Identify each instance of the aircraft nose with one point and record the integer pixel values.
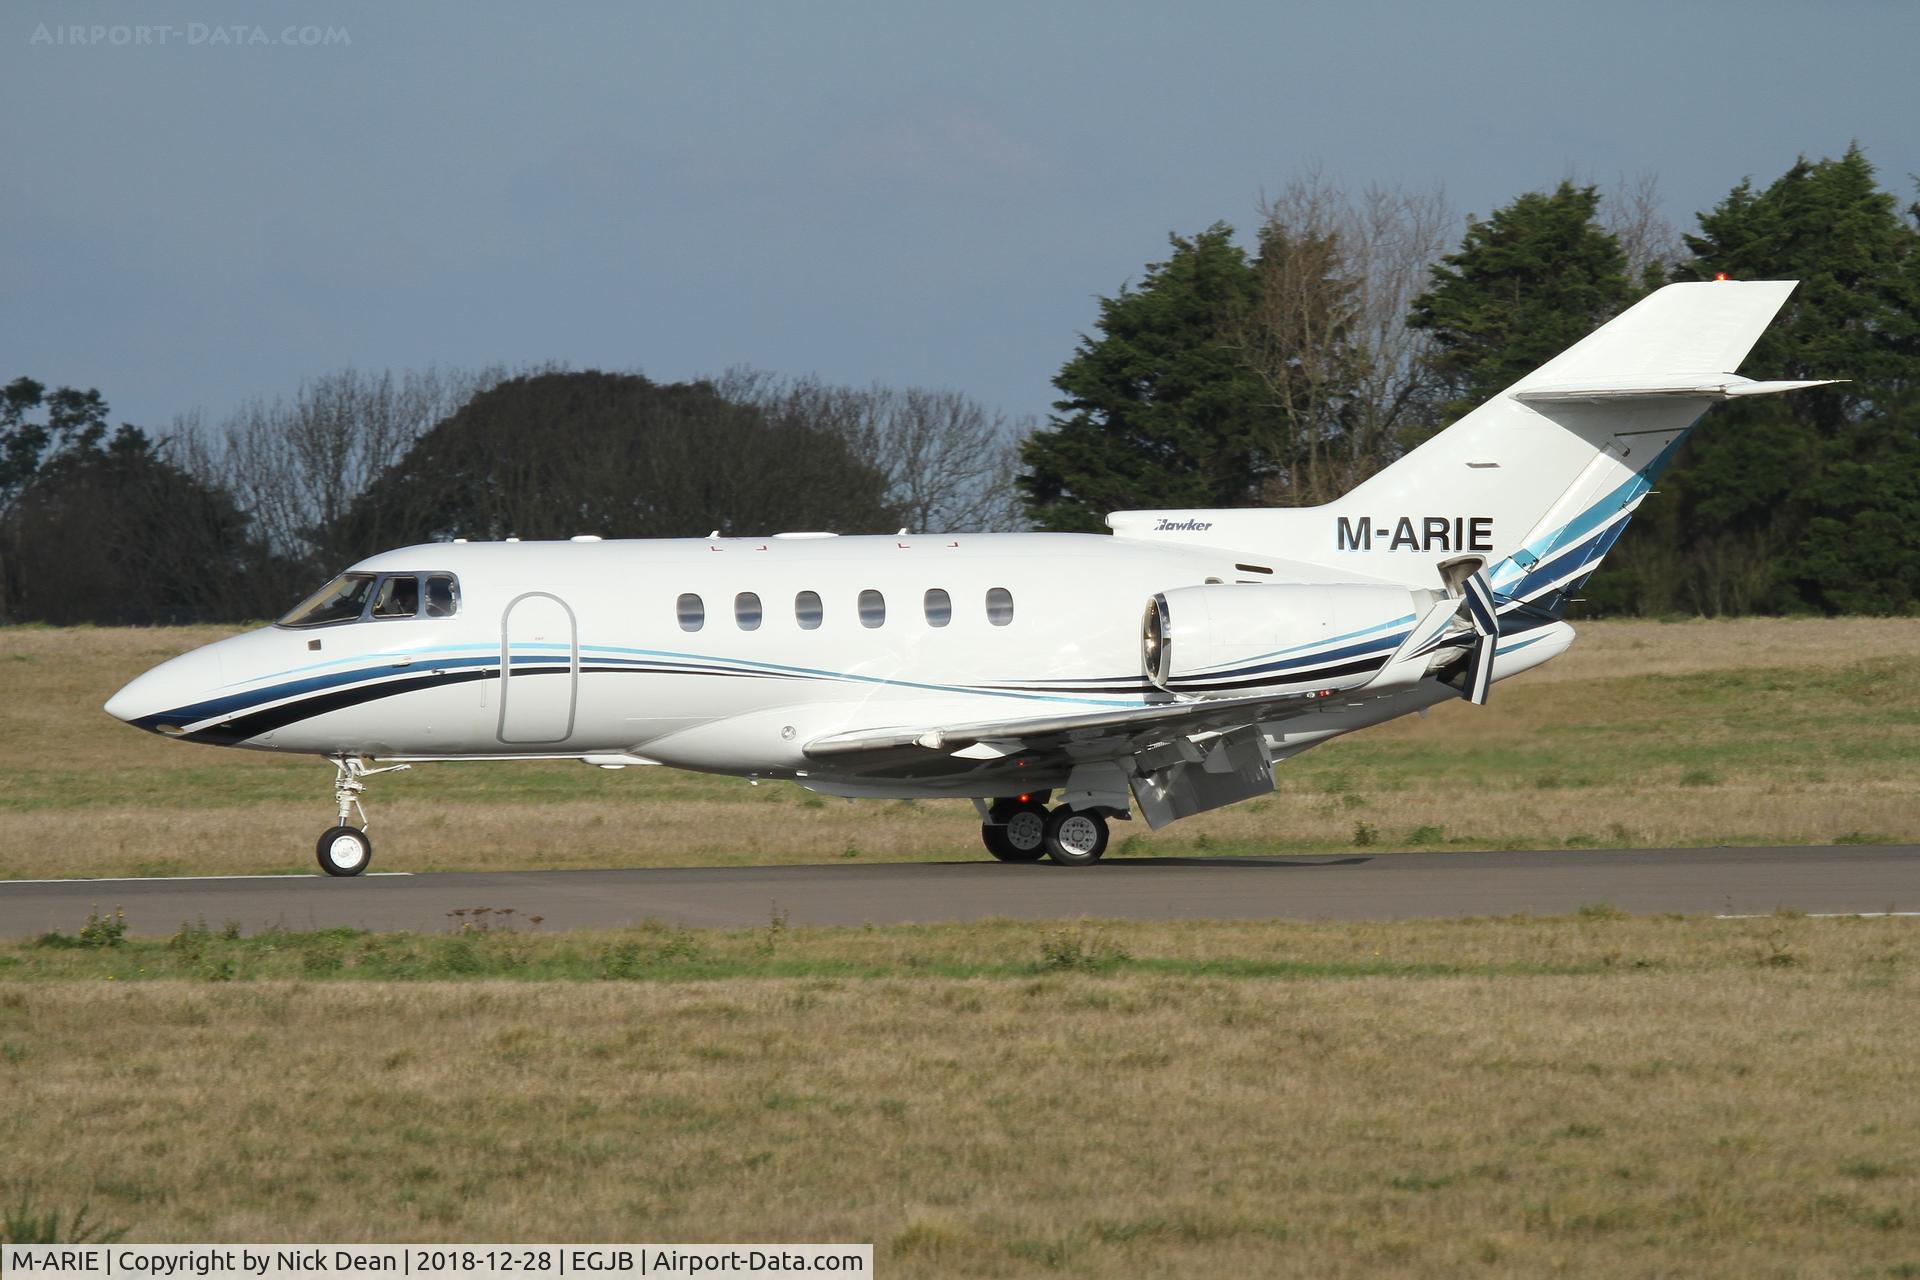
(176, 683)
(123, 705)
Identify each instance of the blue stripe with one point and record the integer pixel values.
(390, 655)
(231, 705)
(1515, 648)
(1563, 565)
(1351, 635)
(878, 681)
(218, 708)
(1508, 576)
(1385, 645)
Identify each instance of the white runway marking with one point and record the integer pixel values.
(301, 875)
(1828, 915)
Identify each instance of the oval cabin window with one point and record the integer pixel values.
(939, 608)
(873, 608)
(746, 611)
(999, 606)
(693, 613)
(807, 611)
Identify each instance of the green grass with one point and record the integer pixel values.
(651, 954)
(499, 945)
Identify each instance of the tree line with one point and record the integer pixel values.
(1282, 373)
(239, 519)
(1285, 374)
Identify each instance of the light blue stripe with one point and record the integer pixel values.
(238, 703)
(1351, 635)
(1540, 548)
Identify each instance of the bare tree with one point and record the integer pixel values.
(949, 461)
(1327, 335)
(296, 465)
(1632, 212)
(1397, 237)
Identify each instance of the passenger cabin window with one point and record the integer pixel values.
(398, 597)
(999, 606)
(939, 607)
(746, 611)
(342, 600)
(873, 608)
(693, 613)
(807, 611)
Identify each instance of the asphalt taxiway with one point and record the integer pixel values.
(1717, 881)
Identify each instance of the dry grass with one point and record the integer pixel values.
(1600, 1096)
(1757, 731)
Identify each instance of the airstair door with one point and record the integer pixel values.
(539, 670)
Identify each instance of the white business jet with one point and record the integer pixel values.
(1164, 668)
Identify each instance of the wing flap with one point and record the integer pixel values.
(1085, 734)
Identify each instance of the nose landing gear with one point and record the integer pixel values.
(346, 850)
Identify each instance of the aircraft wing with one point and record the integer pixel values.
(1093, 735)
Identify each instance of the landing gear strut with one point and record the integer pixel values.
(346, 850)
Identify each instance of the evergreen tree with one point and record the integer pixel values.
(619, 455)
(1527, 283)
(98, 525)
(1809, 501)
(1160, 410)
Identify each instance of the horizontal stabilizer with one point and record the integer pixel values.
(1706, 325)
(1679, 386)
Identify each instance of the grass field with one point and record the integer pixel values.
(1596, 1096)
(1760, 731)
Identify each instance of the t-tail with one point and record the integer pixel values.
(1529, 491)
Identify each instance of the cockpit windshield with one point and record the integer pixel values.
(353, 596)
(342, 600)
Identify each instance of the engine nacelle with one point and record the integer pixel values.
(1231, 640)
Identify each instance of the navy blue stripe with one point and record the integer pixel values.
(1292, 677)
(241, 728)
(213, 708)
(1366, 647)
(1567, 562)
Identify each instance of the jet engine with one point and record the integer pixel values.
(1229, 640)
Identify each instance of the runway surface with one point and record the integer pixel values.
(1386, 886)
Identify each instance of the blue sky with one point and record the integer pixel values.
(903, 193)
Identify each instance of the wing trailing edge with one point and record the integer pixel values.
(1667, 386)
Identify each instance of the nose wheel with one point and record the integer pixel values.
(345, 850)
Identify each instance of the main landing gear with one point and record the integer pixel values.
(346, 850)
(1021, 829)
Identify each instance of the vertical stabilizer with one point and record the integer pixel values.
(1537, 482)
